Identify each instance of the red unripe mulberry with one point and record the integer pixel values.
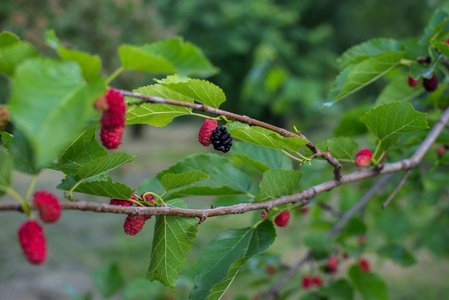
(134, 224)
(206, 132)
(332, 264)
(282, 219)
(113, 120)
(306, 282)
(363, 158)
(412, 82)
(32, 241)
(431, 84)
(364, 265)
(48, 206)
(317, 281)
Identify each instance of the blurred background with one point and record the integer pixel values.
(277, 60)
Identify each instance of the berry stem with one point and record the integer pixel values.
(71, 198)
(302, 160)
(25, 206)
(30, 189)
(406, 62)
(204, 116)
(114, 75)
(159, 198)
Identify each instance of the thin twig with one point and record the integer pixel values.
(329, 208)
(396, 190)
(243, 119)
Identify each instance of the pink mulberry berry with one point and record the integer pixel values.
(317, 281)
(364, 265)
(306, 282)
(412, 82)
(134, 224)
(206, 132)
(363, 158)
(111, 139)
(32, 241)
(282, 219)
(48, 205)
(113, 120)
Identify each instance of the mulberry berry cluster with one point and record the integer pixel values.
(134, 224)
(221, 139)
(113, 120)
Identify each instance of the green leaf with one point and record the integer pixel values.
(425, 70)
(101, 186)
(398, 254)
(104, 164)
(399, 90)
(174, 181)
(370, 285)
(264, 137)
(51, 104)
(157, 114)
(442, 47)
(6, 167)
(388, 121)
(108, 279)
(167, 57)
(14, 54)
(339, 290)
(220, 261)
(6, 139)
(8, 39)
(90, 64)
(368, 71)
(82, 150)
(437, 26)
(259, 157)
(337, 85)
(201, 91)
(173, 237)
(368, 49)
(23, 153)
(318, 242)
(224, 178)
(342, 148)
(277, 182)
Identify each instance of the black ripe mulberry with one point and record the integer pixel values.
(221, 139)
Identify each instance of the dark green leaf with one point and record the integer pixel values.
(368, 71)
(108, 279)
(278, 182)
(6, 166)
(224, 178)
(167, 57)
(259, 157)
(423, 70)
(51, 104)
(438, 25)
(442, 47)
(339, 290)
(82, 150)
(399, 90)
(101, 186)
(90, 64)
(104, 164)
(6, 139)
(220, 261)
(173, 237)
(174, 181)
(388, 121)
(157, 114)
(368, 49)
(23, 154)
(337, 85)
(370, 285)
(398, 254)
